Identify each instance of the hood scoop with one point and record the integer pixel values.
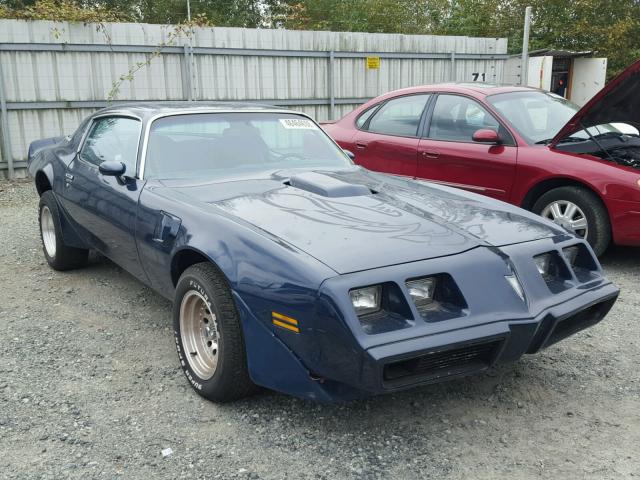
(327, 186)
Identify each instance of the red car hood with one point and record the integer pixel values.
(618, 101)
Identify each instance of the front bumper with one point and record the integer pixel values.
(497, 326)
(462, 352)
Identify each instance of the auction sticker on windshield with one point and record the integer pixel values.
(298, 123)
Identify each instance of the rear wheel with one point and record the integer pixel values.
(208, 335)
(59, 256)
(579, 211)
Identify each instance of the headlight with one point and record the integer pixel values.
(543, 262)
(366, 300)
(421, 291)
(553, 270)
(571, 253)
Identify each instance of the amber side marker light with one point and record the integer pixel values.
(285, 322)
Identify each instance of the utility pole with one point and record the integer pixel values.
(524, 68)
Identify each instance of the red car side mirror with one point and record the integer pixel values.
(486, 135)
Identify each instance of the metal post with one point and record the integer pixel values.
(453, 66)
(524, 71)
(332, 98)
(7, 153)
(186, 74)
(192, 67)
(188, 10)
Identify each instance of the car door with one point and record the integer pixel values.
(387, 140)
(104, 206)
(448, 154)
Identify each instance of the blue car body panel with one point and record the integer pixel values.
(296, 242)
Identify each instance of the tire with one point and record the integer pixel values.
(208, 335)
(59, 256)
(590, 207)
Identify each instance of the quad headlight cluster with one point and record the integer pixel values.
(385, 307)
(555, 271)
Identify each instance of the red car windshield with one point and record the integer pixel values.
(538, 116)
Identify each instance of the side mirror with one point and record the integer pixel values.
(111, 168)
(350, 154)
(486, 135)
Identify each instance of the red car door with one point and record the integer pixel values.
(447, 154)
(388, 140)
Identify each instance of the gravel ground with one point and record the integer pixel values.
(90, 388)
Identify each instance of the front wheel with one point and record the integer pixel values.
(579, 211)
(209, 336)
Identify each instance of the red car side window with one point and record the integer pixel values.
(399, 116)
(456, 118)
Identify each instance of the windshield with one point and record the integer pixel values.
(538, 116)
(207, 145)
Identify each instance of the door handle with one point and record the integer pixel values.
(361, 146)
(430, 154)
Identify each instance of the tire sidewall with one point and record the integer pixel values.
(48, 200)
(188, 282)
(598, 234)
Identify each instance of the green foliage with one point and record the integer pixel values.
(63, 10)
(611, 28)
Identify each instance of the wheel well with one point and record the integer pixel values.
(543, 187)
(42, 183)
(183, 260)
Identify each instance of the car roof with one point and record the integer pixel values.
(477, 88)
(147, 110)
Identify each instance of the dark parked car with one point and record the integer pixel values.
(292, 268)
(577, 167)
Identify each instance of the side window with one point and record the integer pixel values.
(362, 119)
(113, 138)
(456, 118)
(400, 116)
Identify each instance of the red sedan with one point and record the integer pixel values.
(577, 167)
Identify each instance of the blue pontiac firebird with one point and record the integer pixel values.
(291, 268)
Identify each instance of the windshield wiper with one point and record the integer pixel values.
(602, 149)
(619, 135)
(564, 140)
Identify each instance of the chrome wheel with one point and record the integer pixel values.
(200, 336)
(48, 230)
(568, 215)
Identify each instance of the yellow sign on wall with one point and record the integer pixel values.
(373, 63)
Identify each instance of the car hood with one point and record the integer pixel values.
(618, 101)
(358, 220)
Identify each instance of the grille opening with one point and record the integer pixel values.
(434, 365)
(581, 320)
